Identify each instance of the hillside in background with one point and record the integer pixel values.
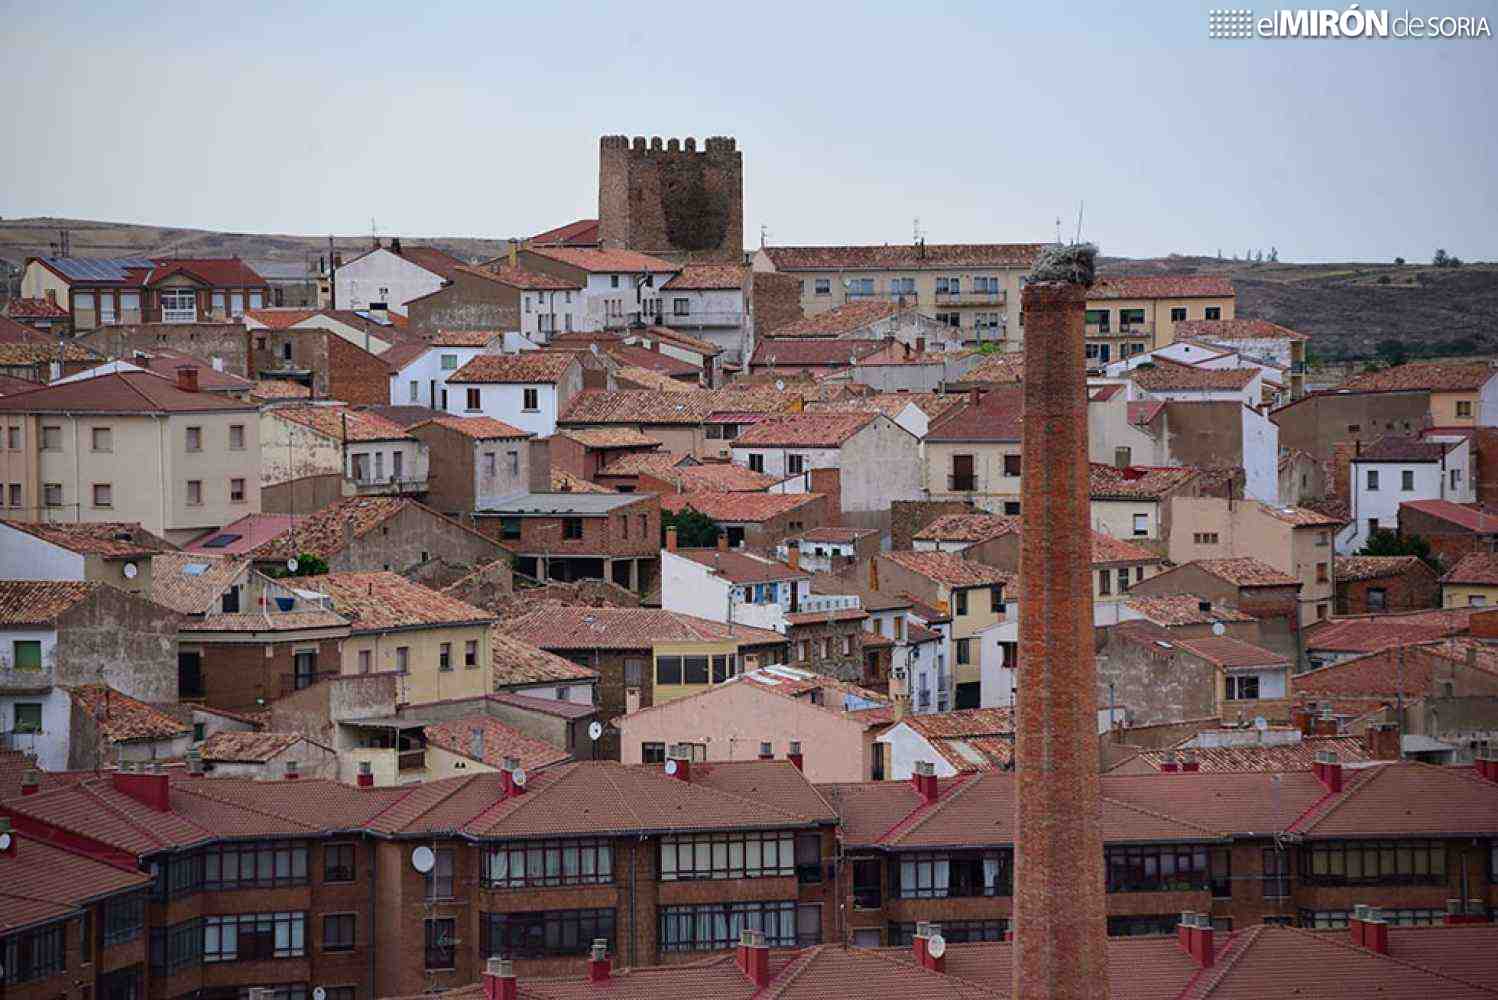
(1347, 309)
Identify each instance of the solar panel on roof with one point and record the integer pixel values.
(97, 268)
(220, 541)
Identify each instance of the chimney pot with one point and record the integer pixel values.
(671, 538)
(149, 788)
(681, 755)
(793, 555)
(187, 378)
(722, 541)
(366, 774)
(1329, 770)
(598, 961)
(1169, 762)
(31, 782)
(754, 957)
(499, 980)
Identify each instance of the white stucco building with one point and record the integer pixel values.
(525, 390)
(1395, 469)
(389, 277)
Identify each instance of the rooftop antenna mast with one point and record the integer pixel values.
(764, 235)
(1080, 205)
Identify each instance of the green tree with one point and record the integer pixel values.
(1384, 542)
(694, 530)
(1392, 351)
(1399, 261)
(307, 564)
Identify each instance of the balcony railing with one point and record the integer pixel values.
(1122, 330)
(411, 760)
(856, 295)
(179, 315)
(970, 298)
(703, 318)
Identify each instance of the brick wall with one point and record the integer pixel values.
(909, 516)
(775, 301)
(244, 677)
(1409, 591)
(603, 536)
(1448, 542)
(450, 461)
(415, 535)
(354, 375)
(228, 341)
(766, 535)
(672, 197)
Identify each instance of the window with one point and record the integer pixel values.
(1178, 314)
(1130, 317)
(471, 654)
(257, 864)
(944, 874)
(1242, 687)
(960, 599)
(177, 876)
(445, 657)
(194, 492)
(52, 494)
(1377, 599)
(1141, 525)
(51, 439)
(1372, 480)
(338, 862)
(1156, 868)
(253, 937)
(652, 753)
(101, 439)
(364, 661)
(439, 881)
(532, 399)
(1104, 582)
(1123, 579)
(1456, 478)
(195, 439)
(1276, 877)
(415, 391)
(13, 438)
(949, 318)
(34, 954)
(402, 659)
(236, 491)
(539, 934)
(756, 462)
(27, 654)
(795, 465)
(473, 400)
(1464, 408)
(572, 527)
(726, 856)
(1098, 318)
(236, 437)
(1212, 312)
(286, 351)
(1477, 601)
(1011, 465)
(544, 863)
(441, 943)
(964, 651)
(338, 932)
(509, 527)
(177, 947)
(229, 601)
(449, 362)
(124, 919)
(953, 931)
(822, 286)
(716, 926)
(1387, 862)
(1407, 480)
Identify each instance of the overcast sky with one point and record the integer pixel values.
(985, 120)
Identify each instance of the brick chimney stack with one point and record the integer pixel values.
(187, 378)
(499, 980)
(1060, 923)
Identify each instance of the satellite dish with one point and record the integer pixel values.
(423, 860)
(595, 729)
(518, 777)
(671, 766)
(1218, 628)
(936, 946)
(1261, 723)
(5, 840)
(292, 564)
(593, 347)
(131, 571)
(319, 994)
(780, 385)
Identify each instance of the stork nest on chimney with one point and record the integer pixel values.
(1074, 263)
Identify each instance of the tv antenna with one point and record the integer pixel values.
(764, 235)
(915, 230)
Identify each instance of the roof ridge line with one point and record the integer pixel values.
(249, 809)
(1161, 815)
(1239, 944)
(741, 799)
(1344, 942)
(120, 813)
(926, 809)
(1314, 809)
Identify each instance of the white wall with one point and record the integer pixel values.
(576, 694)
(51, 744)
(775, 458)
(1383, 503)
(562, 308)
(1261, 456)
(430, 377)
(906, 746)
(507, 402)
(26, 557)
(360, 282)
(691, 588)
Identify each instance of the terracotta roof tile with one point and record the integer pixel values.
(740, 566)
(738, 507)
(657, 463)
(716, 477)
(227, 272)
(109, 539)
(266, 621)
(838, 321)
(583, 232)
(121, 718)
(1136, 482)
(833, 533)
(1402, 448)
(1107, 549)
(439, 262)
(1392, 672)
(516, 662)
(1245, 571)
(891, 404)
(1164, 286)
(680, 337)
(950, 568)
(1234, 329)
(1433, 376)
(639, 406)
(1184, 609)
(635, 356)
(43, 883)
(1301, 517)
(1142, 412)
(122, 392)
(380, 600)
(519, 277)
(563, 481)
(323, 533)
(191, 582)
(635, 377)
(19, 308)
(839, 615)
(1229, 653)
(242, 536)
(494, 742)
(269, 390)
(41, 602)
(977, 527)
(342, 423)
(1002, 369)
(598, 261)
(1349, 568)
(929, 256)
(528, 366)
(804, 430)
(1469, 516)
(1163, 376)
(246, 748)
(478, 428)
(1298, 756)
(463, 338)
(707, 277)
(996, 417)
(610, 437)
(1368, 633)
(559, 626)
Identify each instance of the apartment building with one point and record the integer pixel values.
(480, 461)
(527, 390)
(711, 302)
(620, 288)
(973, 452)
(125, 291)
(378, 457)
(579, 536)
(1130, 315)
(973, 287)
(1395, 470)
(131, 446)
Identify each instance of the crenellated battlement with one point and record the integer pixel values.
(717, 144)
(679, 195)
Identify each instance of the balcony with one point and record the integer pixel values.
(179, 315)
(702, 319)
(971, 298)
(411, 760)
(388, 486)
(903, 298)
(1124, 330)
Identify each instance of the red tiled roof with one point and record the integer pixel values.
(528, 366)
(997, 416)
(830, 352)
(1245, 571)
(949, 568)
(44, 883)
(249, 532)
(739, 566)
(634, 356)
(804, 430)
(1301, 517)
(518, 662)
(120, 718)
(634, 377)
(1108, 482)
(21, 345)
(927, 256)
(478, 428)
(1000, 368)
(1349, 568)
(563, 481)
(632, 463)
(1164, 286)
(716, 477)
(463, 338)
(165, 363)
(273, 389)
(381, 600)
(1234, 329)
(19, 308)
(1298, 756)
(1142, 412)
(560, 626)
(1469, 516)
(495, 742)
(976, 527)
(836, 322)
(343, 423)
(1107, 549)
(109, 539)
(267, 622)
(220, 272)
(1433, 376)
(610, 437)
(439, 262)
(1183, 609)
(191, 582)
(600, 261)
(121, 392)
(1402, 448)
(891, 404)
(707, 277)
(1229, 653)
(40, 602)
(1479, 568)
(519, 277)
(583, 232)
(832, 533)
(1368, 633)
(323, 533)
(970, 739)
(704, 347)
(246, 748)
(1165, 376)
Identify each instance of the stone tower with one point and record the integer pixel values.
(671, 198)
(1060, 926)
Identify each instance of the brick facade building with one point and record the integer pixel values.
(1372, 584)
(580, 536)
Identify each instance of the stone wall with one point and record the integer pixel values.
(226, 341)
(672, 198)
(909, 516)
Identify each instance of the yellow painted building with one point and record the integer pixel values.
(1133, 314)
